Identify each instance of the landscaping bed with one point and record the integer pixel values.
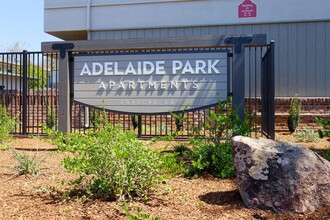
(42, 196)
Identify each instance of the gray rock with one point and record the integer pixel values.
(279, 176)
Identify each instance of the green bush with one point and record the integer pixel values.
(212, 154)
(307, 135)
(327, 154)
(294, 114)
(113, 163)
(7, 125)
(215, 159)
(181, 149)
(95, 117)
(225, 123)
(325, 132)
(51, 118)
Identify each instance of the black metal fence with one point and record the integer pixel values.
(28, 88)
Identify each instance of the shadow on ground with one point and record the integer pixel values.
(222, 198)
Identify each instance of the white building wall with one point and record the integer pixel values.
(301, 30)
(10, 83)
(97, 15)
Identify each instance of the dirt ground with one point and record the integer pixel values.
(39, 196)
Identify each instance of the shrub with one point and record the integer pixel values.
(325, 125)
(225, 122)
(113, 163)
(7, 125)
(307, 135)
(327, 154)
(181, 149)
(215, 159)
(180, 119)
(51, 118)
(294, 114)
(95, 117)
(212, 154)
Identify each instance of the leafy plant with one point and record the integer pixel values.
(325, 125)
(139, 215)
(180, 119)
(95, 117)
(7, 125)
(224, 122)
(51, 118)
(307, 135)
(327, 154)
(113, 163)
(213, 154)
(216, 159)
(294, 114)
(181, 149)
(38, 77)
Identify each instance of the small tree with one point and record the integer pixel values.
(294, 114)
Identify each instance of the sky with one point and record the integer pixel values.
(22, 21)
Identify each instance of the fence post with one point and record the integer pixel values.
(139, 126)
(24, 92)
(238, 77)
(64, 119)
(272, 90)
(238, 80)
(64, 99)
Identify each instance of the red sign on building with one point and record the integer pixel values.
(247, 9)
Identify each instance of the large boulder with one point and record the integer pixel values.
(280, 176)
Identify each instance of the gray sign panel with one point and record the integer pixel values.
(150, 82)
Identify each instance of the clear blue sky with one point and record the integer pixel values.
(22, 21)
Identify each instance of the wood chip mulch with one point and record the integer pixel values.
(39, 196)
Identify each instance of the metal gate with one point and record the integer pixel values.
(28, 90)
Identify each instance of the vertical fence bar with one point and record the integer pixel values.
(24, 94)
(272, 91)
(139, 126)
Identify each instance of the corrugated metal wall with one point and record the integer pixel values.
(302, 53)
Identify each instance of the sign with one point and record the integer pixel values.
(247, 9)
(151, 82)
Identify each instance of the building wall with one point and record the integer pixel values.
(97, 15)
(300, 30)
(10, 83)
(301, 51)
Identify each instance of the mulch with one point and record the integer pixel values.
(41, 196)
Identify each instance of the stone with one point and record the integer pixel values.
(280, 176)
